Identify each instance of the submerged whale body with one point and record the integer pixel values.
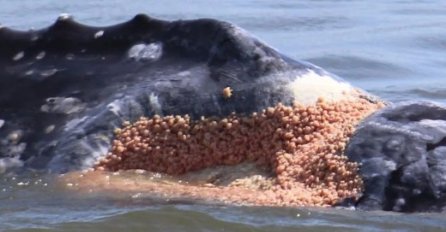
(65, 89)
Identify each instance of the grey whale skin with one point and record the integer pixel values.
(63, 90)
(85, 81)
(402, 149)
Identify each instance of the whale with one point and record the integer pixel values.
(66, 87)
(70, 93)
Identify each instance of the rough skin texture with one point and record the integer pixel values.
(299, 148)
(402, 152)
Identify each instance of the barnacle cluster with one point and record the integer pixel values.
(300, 147)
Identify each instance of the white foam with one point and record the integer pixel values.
(146, 52)
(310, 86)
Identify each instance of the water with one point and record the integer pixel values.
(394, 49)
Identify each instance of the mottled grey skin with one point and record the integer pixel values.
(402, 152)
(65, 88)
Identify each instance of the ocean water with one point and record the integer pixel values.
(395, 49)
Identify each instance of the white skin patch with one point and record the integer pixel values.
(18, 56)
(49, 72)
(310, 86)
(64, 16)
(71, 125)
(29, 72)
(155, 103)
(62, 105)
(69, 56)
(114, 107)
(98, 34)
(146, 52)
(433, 124)
(34, 37)
(184, 74)
(49, 129)
(41, 55)
(7, 163)
(96, 152)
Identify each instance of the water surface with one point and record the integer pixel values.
(394, 49)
